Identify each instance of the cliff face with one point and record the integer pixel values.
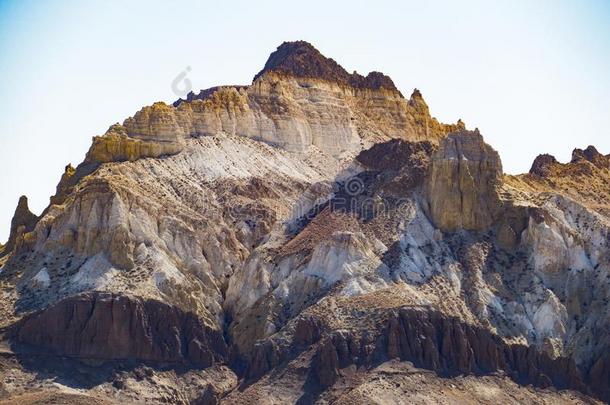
(464, 181)
(23, 221)
(300, 100)
(96, 326)
(313, 220)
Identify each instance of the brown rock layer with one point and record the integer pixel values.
(106, 326)
(394, 155)
(397, 165)
(430, 340)
(450, 346)
(445, 345)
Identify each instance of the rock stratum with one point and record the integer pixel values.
(313, 237)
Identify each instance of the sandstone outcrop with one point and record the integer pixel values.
(591, 154)
(207, 93)
(149, 135)
(462, 190)
(585, 178)
(300, 100)
(23, 222)
(547, 166)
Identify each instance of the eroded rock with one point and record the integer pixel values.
(542, 165)
(462, 189)
(23, 222)
(104, 326)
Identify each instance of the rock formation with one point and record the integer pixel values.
(23, 222)
(311, 237)
(542, 165)
(301, 59)
(462, 190)
(97, 326)
(300, 100)
(149, 136)
(591, 154)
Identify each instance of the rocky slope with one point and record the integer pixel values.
(311, 237)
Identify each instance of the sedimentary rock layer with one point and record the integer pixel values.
(462, 190)
(429, 340)
(104, 326)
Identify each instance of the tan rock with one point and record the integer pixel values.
(462, 188)
(116, 145)
(23, 222)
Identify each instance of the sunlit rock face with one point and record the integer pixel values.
(300, 100)
(23, 221)
(295, 113)
(465, 175)
(287, 238)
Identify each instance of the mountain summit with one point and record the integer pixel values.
(301, 59)
(312, 237)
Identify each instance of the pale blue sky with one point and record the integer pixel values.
(534, 76)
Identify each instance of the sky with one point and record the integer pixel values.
(533, 76)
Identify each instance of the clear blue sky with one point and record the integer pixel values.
(534, 76)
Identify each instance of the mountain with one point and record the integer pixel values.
(313, 237)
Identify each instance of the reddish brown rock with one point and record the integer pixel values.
(307, 331)
(301, 59)
(265, 355)
(327, 363)
(599, 376)
(449, 346)
(542, 165)
(106, 326)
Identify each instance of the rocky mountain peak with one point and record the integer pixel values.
(417, 102)
(302, 59)
(590, 154)
(542, 164)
